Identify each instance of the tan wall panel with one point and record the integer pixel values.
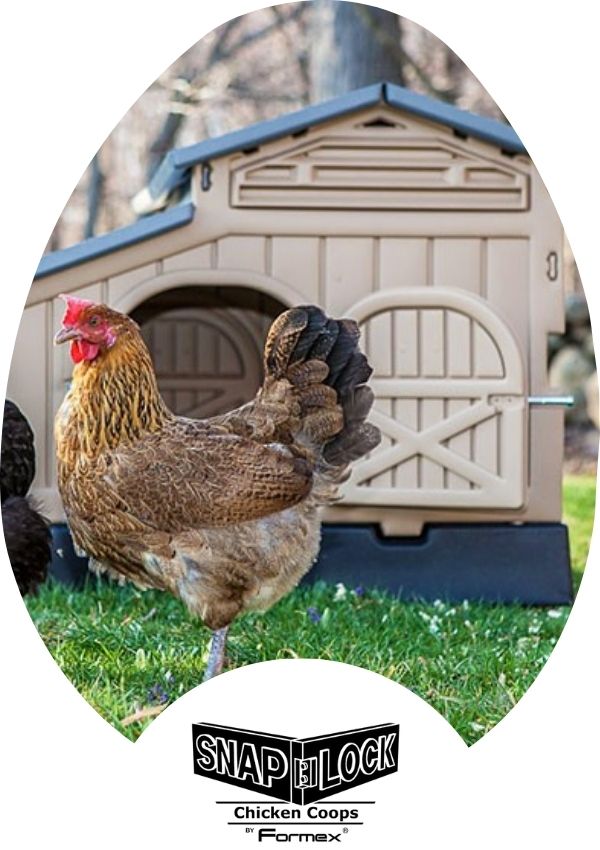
(508, 283)
(386, 478)
(485, 444)
(27, 385)
(295, 260)
(348, 272)
(487, 362)
(406, 343)
(402, 262)
(432, 343)
(406, 411)
(458, 345)
(121, 284)
(457, 263)
(546, 295)
(547, 429)
(242, 252)
(461, 444)
(432, 474)
(379, 349)
(196, 258)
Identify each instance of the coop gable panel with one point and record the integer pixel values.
(379, 163)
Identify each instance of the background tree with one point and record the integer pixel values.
(252, 68)
(352, 46)
(273, 61)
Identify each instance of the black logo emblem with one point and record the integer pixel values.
(291, 769)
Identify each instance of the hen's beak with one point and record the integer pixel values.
(65, 334)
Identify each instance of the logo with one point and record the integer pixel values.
(299, 771)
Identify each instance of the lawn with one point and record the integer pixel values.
(131, 653)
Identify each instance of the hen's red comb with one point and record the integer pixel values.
(75, 306)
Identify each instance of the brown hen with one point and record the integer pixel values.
(223, 512)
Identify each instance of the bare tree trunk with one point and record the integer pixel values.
(226, 50)
(94, 197)
(55, 241)
(173, 122)
(353, 46)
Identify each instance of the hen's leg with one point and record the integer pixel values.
(216, 656)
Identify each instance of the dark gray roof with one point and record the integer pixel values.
(174, 169)
(98, 246)
(496, 132)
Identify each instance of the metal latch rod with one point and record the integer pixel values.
(551, 400)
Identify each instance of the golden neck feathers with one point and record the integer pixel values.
(113, 400)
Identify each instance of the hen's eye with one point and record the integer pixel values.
(94, 321)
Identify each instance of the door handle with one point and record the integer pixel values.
(552, 266)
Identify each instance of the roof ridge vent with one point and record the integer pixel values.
(380, 121)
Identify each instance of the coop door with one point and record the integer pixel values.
(450, 400)
(207, 361)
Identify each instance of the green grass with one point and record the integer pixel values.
(126, 650)
(579, 500)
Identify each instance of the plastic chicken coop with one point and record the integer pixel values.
(431, 227)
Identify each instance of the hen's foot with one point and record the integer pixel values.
(216, 656)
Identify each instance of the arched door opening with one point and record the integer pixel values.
(206, 343)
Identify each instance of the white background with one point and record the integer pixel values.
(69, 72)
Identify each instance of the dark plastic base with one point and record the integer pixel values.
(65, 566)
(528, 563)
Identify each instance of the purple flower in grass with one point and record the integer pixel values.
(359, 591)
(157, 695)
(313, 615)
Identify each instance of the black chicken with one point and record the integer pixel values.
(17, 467)
(26, 532)
(27, 542)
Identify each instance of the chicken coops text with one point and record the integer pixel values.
(298, 771)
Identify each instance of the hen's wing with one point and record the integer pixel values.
(193, 477)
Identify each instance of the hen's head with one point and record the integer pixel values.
(92, 329)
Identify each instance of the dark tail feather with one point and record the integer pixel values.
(346, 345)
(351, 444)
(358, 436)
(298, 339)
